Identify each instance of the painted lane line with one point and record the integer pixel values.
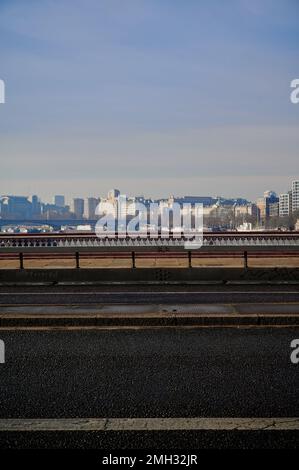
(13, 294)
(151, 424)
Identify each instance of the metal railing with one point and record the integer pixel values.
(83, 246)
(89, 240)
(133, 256)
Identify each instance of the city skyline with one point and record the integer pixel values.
(68, 198)
(269, 206)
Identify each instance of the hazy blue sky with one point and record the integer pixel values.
(152, 96)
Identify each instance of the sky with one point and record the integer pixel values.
(153, 97)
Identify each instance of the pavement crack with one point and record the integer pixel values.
(270, 425)
(106, 422)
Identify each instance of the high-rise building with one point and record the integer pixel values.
(263, 208)
(295, 195)
(15, 207)
(274, 209)
(36, 206)
(92, 203)
(59, 200)
(78, 208)
(285, 204)
(265, 203)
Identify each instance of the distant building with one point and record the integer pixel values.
(92, 203)
(270, 195)
(205, 200)
(267, 204)
(59, 200)
(263, 209)
(36, 208)
(245, 210)
(15, 207)
(274, 209)
(285, 204)
(245, 227)
(297, 225)
(78, 208)
(295, 196)
(231, 202)
(53, 212)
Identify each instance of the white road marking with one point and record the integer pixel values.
(149, 293)
(151, 424)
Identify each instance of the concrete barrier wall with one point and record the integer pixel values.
(149, 275)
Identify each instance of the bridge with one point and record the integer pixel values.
(89, 241)
(77, 247)
(55, 223)
(102, 336)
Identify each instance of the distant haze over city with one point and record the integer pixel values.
(157, 98)
(249, 188)
(270, 210)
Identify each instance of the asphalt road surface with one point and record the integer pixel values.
(72, 296)
(149, 293)
(214, 373)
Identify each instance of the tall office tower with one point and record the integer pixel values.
(92, 203)
(59, 200)
(36, 206)
(78, 208)
(264, 204)
(263, 208)
(274, 209)
(285, 204)
(295, 196)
